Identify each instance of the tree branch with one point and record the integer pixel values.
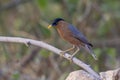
(51, 48)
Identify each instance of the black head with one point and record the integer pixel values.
(55, 21)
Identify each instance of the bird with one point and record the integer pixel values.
(72, 35)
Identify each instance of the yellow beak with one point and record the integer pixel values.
(49, 26)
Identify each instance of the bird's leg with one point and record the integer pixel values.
(70, 49)
(70, 58)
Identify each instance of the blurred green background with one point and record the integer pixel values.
(99, 20)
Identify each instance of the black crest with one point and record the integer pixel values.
(56, 21)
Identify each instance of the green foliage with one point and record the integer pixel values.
(96, 68)
(44, 31)
(65, 63)
(104, 28)
(42, 3)
(112, 7)
(109, 5)
(16, 76)
(44, 53)
(111, 52)
(97, 52)
(111, 57)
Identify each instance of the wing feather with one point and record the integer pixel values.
(78, 35)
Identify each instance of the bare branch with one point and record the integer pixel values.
(51, 48)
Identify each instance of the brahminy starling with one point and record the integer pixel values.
(71, 34)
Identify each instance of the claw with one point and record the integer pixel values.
(70, 58)
(94, 56)
(62, 53)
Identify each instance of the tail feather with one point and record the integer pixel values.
(89, 49)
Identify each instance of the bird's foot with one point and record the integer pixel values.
(62, 54)
(70, 58)
(94, 56)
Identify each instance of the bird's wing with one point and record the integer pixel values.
(78, 35)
